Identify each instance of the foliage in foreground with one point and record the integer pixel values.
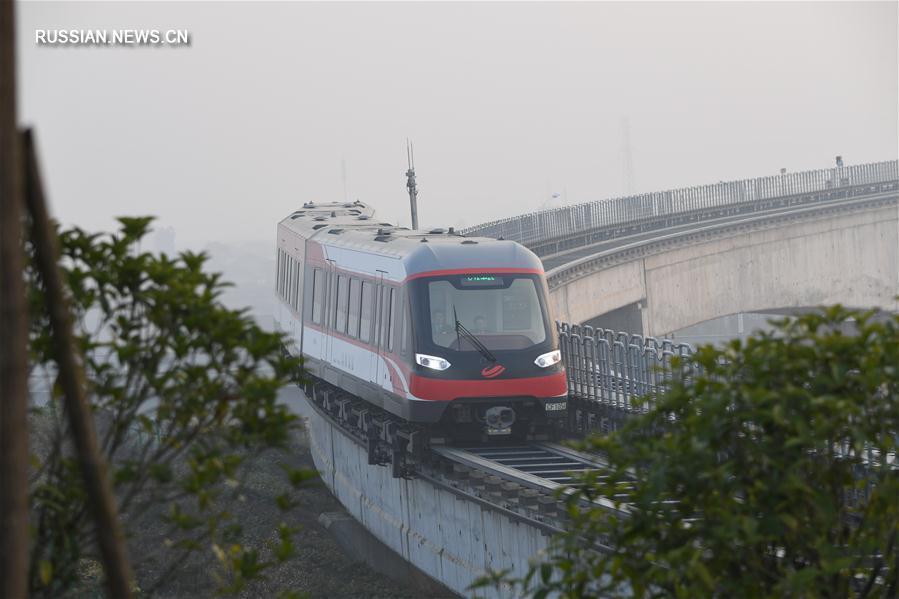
(763, 477)
(182, 388)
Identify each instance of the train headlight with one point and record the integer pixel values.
(432, 362)
(547, 360)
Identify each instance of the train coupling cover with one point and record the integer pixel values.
(499, 420)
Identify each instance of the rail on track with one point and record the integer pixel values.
(527, 482)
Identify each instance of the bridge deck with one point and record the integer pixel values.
(562, 258)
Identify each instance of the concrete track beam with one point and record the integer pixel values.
(850, 258)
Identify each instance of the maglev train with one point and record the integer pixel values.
(433, 327)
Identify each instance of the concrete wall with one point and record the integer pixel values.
(851, 259)
(604, 291)
(452, 540)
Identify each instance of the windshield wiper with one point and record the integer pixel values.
(460, 329)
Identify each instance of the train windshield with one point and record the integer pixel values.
(502, 311)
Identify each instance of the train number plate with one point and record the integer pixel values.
(555, 406)
(499, 431)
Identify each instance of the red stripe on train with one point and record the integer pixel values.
(552, 385)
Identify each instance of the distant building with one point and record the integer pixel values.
(164, 240)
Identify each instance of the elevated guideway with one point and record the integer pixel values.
(690, 255)
(455, 513)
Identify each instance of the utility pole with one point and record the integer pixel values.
(13, 333)
(19, 188)
(410, 184)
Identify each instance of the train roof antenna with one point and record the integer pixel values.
(410, 184)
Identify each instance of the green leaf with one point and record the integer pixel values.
(546, 572)
(731, 478)
(45, 571)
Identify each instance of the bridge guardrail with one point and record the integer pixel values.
(548, 230)
(838, 201)
(614, 376)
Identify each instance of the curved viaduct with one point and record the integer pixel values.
(686, 256)
(849, 257)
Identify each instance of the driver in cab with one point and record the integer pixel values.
(438, 324)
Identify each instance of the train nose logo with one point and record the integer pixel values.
(493, 371)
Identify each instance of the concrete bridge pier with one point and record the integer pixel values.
(445, 535)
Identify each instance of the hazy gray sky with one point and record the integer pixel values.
(506, 104)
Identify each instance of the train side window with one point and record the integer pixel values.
(297, 278)
(289, 295)
(404, 334)
(376, 315)
(342, 289)
(391, 319)
(366, 312)
(285, 261)
(278, 272)
(281, 273)
(288, 266)
(331, 301)
(293, 281)
(317, 293)
(288, 278)
(385, 314)
(355, 299)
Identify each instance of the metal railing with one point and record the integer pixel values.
(613, 377)
(615, 374)
(568, 267)
(557, 223)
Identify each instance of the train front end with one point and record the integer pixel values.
(486, 353)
